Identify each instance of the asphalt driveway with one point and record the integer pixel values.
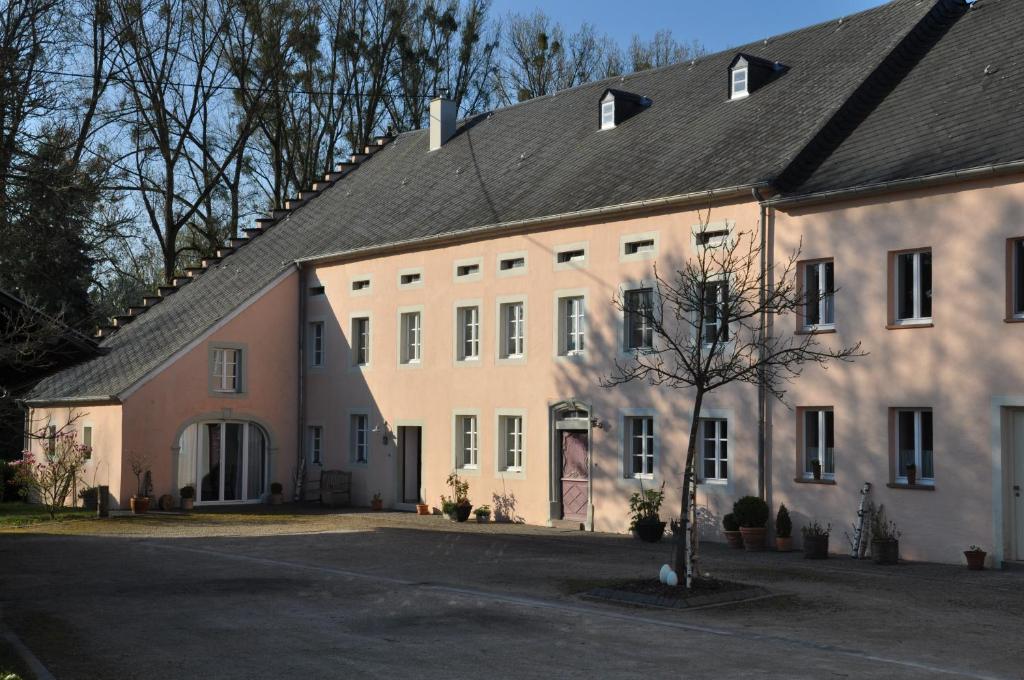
(388, 595)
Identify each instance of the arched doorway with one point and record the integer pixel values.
(226, 461)
(571, 490)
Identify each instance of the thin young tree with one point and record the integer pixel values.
(708, 324)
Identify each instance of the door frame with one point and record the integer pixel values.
(556, 425)
(400, 503)
(1002, 478)
(202, 442)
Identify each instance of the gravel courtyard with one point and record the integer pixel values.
(303, 594)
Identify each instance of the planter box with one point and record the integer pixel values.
(816, 547)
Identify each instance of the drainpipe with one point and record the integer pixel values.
(300, 401)
(762, 392)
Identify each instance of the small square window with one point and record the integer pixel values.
(574, 255)
(641, 246)
(467, 270)
(410, 278)
(314, 291)
(226, 370)
(361, 284)
(513, 263)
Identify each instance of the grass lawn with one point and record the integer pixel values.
(15, 515)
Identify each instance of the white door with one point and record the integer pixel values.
(1017, 489)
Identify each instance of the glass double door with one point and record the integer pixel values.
(232, 463)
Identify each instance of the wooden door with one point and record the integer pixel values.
(575, 475)
(1017, 495)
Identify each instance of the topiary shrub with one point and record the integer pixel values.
(276, 488)
(783, 524)
(729, 523)
(751, 512)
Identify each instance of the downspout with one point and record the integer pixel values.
(300, 401)
(762, 406)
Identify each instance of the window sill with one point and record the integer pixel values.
(1014, 319)
(904, 485)
(815, 331)
(915, 324)
(804, 480)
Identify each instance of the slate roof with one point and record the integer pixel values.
(948, 113)
(538, 158)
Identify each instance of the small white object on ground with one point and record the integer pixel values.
(663, 574)
(671, 579)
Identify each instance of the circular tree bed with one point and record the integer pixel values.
(650, 592)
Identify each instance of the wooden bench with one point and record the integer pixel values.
(336, 488)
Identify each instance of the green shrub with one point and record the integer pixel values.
(815, 529)
(751, 512)
(729, 523)
(783, 524)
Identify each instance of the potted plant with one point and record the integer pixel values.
(422, 509)
(643, 508)
(815, 540)
(975, 558)
(483, 514)
(731, 529)
(89, 497)
(885, 538)
(460, 497)
(448, 508)
(751, 514)
(783, 530)
(911, 474)
(816, 469)
(140, 468)
(377, 502)
(188, 495)
(276, 493)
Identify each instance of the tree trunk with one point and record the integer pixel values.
(682, 549)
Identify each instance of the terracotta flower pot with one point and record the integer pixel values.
(187, 503)
(885, 552)
(753, 538)
(422, 509)
(783, 543)
(975, 559)
(734, 539)
(377, 504)
(276, 498)
(139, 504)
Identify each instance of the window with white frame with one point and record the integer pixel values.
(912, 287)
(638, 309)
(608, 114)
(316, 344)
(469, 333)
(739, 82)
(819, 291)
(714, 439)
(914, 445)
(511, 434)
(819, 441)
(467, 450)
(640, 446)
(411, 330)
(571, 325)
(226, 370)
(361, 341)
(315, 439)
(87, 441)
(715, 325)
(513, 330)
(1017, 278)
(360, 437)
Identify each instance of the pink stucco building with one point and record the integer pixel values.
(444, 301)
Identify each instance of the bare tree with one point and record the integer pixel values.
(663, 49)
(709, 324)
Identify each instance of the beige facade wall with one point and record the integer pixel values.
(432, 394)
(966, 367)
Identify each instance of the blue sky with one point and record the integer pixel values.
(717, 24)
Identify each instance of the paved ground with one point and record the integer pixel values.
(389, 595)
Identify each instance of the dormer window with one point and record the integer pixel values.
(747, 74)
(617, 106)
(608, 114)
(739, 83)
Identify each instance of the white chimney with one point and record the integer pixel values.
(442, 121)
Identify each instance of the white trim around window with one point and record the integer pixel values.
(410, 336)
(227, 374)
(316, 344)
(817, 440)
(639, 440)
(360, 341)
(911, 287)
(359, 436)
(570, 327)
(739, 83)
(637, 247)
(466, 439)
(512, 329)
(818, 286)
(913, 440)
(515, 263)
(571, 256)
(712, 234)
(467, 349)
(716, 325)
(468, 270)
(510, 425)
(410, 278)
(625, 327)
(315, 444)
(713, 450)
(361, 286)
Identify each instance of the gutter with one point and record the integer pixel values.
(100, 400)
(762, 401)
(925, 181)
(300, 398)
(512, 226)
